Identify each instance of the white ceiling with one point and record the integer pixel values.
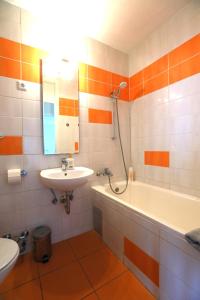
(120, 24)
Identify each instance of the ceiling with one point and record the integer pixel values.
(120, 24)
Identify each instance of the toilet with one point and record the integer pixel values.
(9, 252)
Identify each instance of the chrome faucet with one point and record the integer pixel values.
(104, 172)
(64, 164)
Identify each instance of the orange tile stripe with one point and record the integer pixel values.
(157, 158)
(180, 63)
(11, 145)
(68, 107)
(99, 116)
(147, 264)
(76, 146)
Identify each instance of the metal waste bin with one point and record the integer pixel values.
(42, 244)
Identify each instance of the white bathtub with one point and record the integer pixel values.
(155, 220)
(180, 212)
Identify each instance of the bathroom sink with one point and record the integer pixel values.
(65, 180)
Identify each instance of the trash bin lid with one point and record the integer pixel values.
(41, 231)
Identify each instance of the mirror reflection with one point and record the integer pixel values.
(60, 106)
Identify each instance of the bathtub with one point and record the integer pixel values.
(145, 227)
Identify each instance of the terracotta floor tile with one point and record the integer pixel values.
(25, 270)
(28, 291)
(101, 267)
(91, 297)
(62, 255)
(67, 283)
(124, 287)
(86, 243)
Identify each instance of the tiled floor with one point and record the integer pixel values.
(81, 268)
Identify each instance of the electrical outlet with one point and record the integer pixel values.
(21, 86)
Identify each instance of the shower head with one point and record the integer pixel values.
(115, 94)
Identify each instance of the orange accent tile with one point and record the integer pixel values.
(91, 297)
(136, 79)
(68, 107)
(76, 146)
(9, 68)
(28, 291)
(62, 255)
(155, 68)
(85, 243)
(83, 85)
(117, 79)
(156, 158)
(32, 55)
(31, 72)
(185, 69)
(185, 51)
(136, 91)
(25, 270)
(99, 88)
(66, 111)
(99, 116)
(156, 83)
(68, 283)
(101, 267)
(147, 264)
(83, 70)
(126, 287)
(11, 145)
(100, 75)
(9, 49)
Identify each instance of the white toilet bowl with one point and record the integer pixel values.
(9, 252)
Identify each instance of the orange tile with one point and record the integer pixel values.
(101, 267)
(62, 255)
(185, 51)
(185, 69)
(156, 83)
(117, 79)
(147, 264)
(91, 297)
(31, 72)
(67, 283)
(76, 146)
(125, 287)
(66, 111)
(85, 243)
(99, 116)
(9, 68)
(9, 49)
(99, 88)
(157, 158)
(11, 145)
(28, 291)
(25, 270)
(83, 85)
(32, 55)
(136, 92)
(136, 79)
(155, 68)
(98, 74)
(67, 102)
(83, 70)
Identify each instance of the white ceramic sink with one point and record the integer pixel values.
(65, 180)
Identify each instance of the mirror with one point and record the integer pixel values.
(60, 106)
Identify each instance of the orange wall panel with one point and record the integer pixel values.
(99, 88)
(31, 72)
(185, 51)
(9, 49)
(99, 116)
(76, 146)
(155, 68)
(98, 74)
(9, 68)
(156, 83)
(136, 79)
(157, 158)
(11, 145)
(68, 107)
(147, 264)
(185, 69)
(136, 91)
(32, 55)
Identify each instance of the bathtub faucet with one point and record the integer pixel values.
(104, 172)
